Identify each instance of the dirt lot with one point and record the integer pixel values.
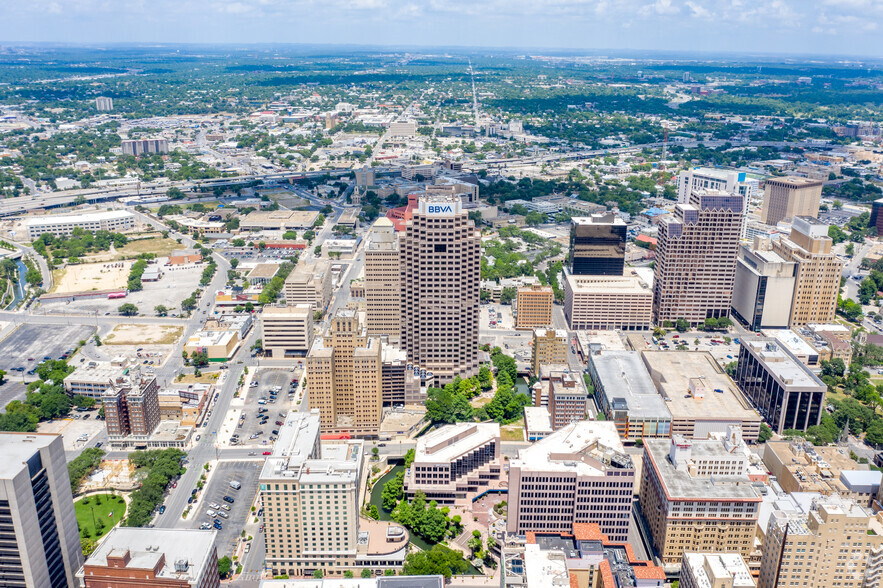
(92, 276)
(144, 335)
(161, 247)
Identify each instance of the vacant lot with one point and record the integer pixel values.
(144, 335)
(161, 247)
(92, 276)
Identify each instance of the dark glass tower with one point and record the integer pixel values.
(597, 245)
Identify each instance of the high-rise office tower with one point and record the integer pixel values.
(710, 178)
(817, 281)
(764, 287)
(344, 377)
(597, 245)
(696, 258)
(440, 270)
(786, 198)
(383, 281)
(39, 538)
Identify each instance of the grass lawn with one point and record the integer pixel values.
(510, 433)
(89, 506)
(203, 379)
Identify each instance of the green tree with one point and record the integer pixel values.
(128, 309)
(348, 574)
(438, 560)
(766, 433)
(682, 325)
(161, 310)
(485, 377)
(318, 574)
(224, 565)
(366, 573)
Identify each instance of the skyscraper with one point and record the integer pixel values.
(696, 258)
(344, 377)
(786, 198)
(383, 281)
(39, 538)
(597, 245)
(710, 178)
(764, 287)
(440, 269)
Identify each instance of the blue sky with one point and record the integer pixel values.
(830, 27)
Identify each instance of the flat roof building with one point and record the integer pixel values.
(564, 395)
(700, 396)
(115, 221)
(262, 273)
(537, 422)
(280, 220)
(627, 396)
(764, 287)
(597, 245)
(287, 331)
(383, 280)
(309, 283)
(715, 570)
(789, 197)
(608, 302)
(578, 474)
(533, 307)
(94, 377)
(549, 348)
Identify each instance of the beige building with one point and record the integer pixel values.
(715, 570)
(383, 281)
(578, 474)
(800, 466)
(549, 348)
(440, 270)
(279, 220)
(309, 283)
(310, 497)
(597, 302)
(533, 306)
(287, 331)
(184, 403)
(696, 495)
(786, 198)
(836, 543)
(344, 377)
(218, 345)
(696, 258)
(817, 281)
(455, 463)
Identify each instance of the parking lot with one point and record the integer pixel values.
(249, 428)
(29, 344)
(244, 472)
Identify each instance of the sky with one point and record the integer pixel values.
(816, 27)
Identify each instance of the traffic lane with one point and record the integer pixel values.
(244, 472)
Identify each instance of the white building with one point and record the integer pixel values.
(115, 221)
(729, 181)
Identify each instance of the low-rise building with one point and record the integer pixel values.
(537, 422)
(455, 463)
(184, 403)
(217, 345)
(279, 220)
(153, 558)
(262, 273)
(623, 303)
(58, 225)
(184, 257)
(578, 474)
(715, 570)
(287, 331)
(94, 377)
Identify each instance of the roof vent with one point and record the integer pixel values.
(181, 565)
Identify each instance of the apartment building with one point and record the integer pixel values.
(533, 307)
(715, 570)
(344, 377)
(700, 396)
(626, 395)
(115, 221)
(549, 349)
(138, 147)
(153, 558)
(310, 496)
(696, 495)
(587, 558)
(287, 331)
(786, 393)
(608, 302)
(455, 463)
(440, 270)
(39, 537)
(696, 258)
(309, 283)
(383, 281)
(763, 291)
(817, 281)
(597, 245)
(834, 543)
(578, 474)
(564, 395)
(789, 197)
(131, 408)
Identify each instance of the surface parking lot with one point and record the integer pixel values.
(251, 432)
(246, 473)
(29, 344)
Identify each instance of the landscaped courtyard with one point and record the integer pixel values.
(98, 513)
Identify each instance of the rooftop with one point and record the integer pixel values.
(381, 582)
(626, 284)
(589, 447)
(709, 569)
(451, 441)
(17, 448)
(601, 218)
(537, 419)
(794, 182)
(264, 270)
(90, 217)
(782, 363)
(625, 378)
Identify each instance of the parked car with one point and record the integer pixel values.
(229, 499)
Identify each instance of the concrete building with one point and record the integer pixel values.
(383, 304)
(697, 496)
(131, 408)
(356, 582)
(622, 302)
(184, 403)
(440, 270)
(587, 558)
(94, 377)
(103, 104)
(365, 177)
(764, 287)
(786, 393)
(279, 220)
(138, 147)
(578, 474)
(789, 197)
(549, 349)
(533, 307)
(835, 543)
(310, 496)
(597, 245)
(287, 331)
(115, 221)
(39, 538)
(696, 258)
(402, 129)
(217, 345)
(344, 377)
(700, 396)
(455, 463)
(564, 395)
(537, 423)
(725, 180)
(715, 570)
(817, 282)
(153, 558)
(626, 395)
(309, 283)
(262, 273)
